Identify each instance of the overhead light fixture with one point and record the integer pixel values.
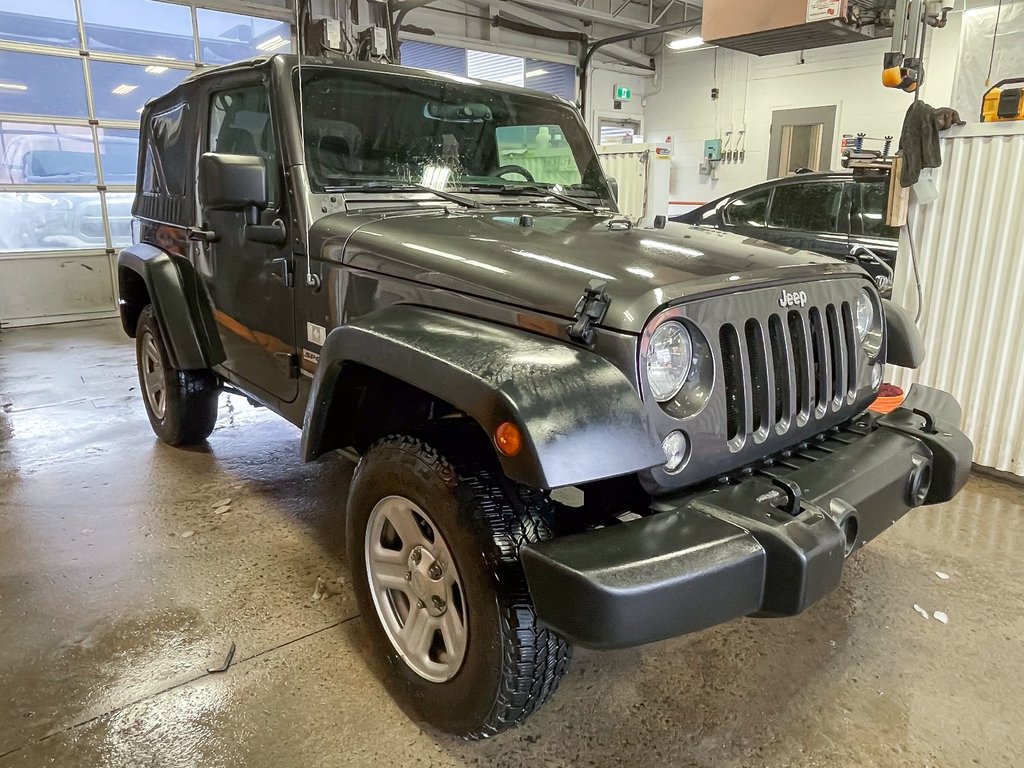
(684, 43)
(124, 89)
(272, 43)
(536, 73)
(13, 87)
(156, 70)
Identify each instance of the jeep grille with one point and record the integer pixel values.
(782, 374)
(794, 367)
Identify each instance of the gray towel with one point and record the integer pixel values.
(919, 143)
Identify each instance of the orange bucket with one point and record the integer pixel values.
(890, 397)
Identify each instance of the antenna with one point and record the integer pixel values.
(313, 281)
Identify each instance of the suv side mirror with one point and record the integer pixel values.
(232, 182)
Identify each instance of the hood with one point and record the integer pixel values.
(548, 265)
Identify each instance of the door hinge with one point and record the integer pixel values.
(590, 311)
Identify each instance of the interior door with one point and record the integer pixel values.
(250, 283)
(811, 215)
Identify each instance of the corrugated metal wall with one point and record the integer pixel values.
(970, 246)
(629, 169)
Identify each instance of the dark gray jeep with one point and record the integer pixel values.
(569, 430)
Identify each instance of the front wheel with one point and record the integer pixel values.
(434, 551)
(181, 405)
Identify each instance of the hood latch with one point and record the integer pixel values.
(590, 311)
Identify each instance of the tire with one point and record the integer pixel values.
(510, 666)
(181, 405)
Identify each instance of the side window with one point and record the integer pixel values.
(167, 153)
(810, 207)
(871, 199)
(747, 211)
(240, 124)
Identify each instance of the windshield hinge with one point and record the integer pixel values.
(590, 311)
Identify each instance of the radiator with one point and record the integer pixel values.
(970, 247)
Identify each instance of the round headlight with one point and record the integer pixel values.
(865, 315)
(869, 323)
(669, 357)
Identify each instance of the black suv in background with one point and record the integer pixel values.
(835, 214)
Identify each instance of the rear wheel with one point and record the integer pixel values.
(434, 551)
(181, 405)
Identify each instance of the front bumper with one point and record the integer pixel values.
(770, 544)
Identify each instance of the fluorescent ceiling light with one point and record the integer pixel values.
(124, 89)
(13, 87)
(272, 44)
(536, 73)
(682, 43)
(156, 70)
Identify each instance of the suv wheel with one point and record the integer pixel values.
(434, 552)
(181, 405)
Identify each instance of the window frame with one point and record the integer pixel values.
(277, 192)
(769, 197)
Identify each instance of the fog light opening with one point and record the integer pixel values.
(850, 530)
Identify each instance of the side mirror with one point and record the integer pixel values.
(232, 182)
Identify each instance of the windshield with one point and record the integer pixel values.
(381, 128)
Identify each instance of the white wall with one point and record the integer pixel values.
(601, 101)
(751, 88)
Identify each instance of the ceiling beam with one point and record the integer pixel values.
(584, 14)
(621, 53)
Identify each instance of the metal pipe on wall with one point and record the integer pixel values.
(593, 48)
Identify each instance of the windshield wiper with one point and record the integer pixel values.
(382, 187)
(535, 189)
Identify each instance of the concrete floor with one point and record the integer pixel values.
(119, 586)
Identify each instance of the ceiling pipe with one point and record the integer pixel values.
(594, 47)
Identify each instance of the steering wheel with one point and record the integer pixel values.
(515, 169)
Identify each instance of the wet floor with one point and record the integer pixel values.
(123, 578)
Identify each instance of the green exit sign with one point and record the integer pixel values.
(622, 93)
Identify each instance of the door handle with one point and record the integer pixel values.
(197, 235)
(282, 272)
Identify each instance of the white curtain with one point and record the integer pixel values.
(979, 28)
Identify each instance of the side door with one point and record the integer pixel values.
(869, 234)
(746, 213)
(811, 215)
(250, 282)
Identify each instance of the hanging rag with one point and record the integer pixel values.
(919, 143)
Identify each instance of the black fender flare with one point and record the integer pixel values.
(904, 342)
(180, 304)
(580, 417)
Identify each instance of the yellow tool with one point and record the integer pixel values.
(904, 64)
(1000, 104)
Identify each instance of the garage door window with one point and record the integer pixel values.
(70, 105)
(34, 84)
(806, 207)
(49, 23)
(150, 28)
(747, 211)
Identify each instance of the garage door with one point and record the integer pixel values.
(73, 79)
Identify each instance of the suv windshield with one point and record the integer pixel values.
(366, 128)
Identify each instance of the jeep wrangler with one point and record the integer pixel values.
(568, 430)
